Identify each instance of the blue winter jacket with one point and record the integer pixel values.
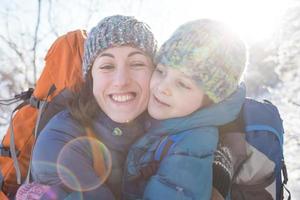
(186, 171)
(58, 157)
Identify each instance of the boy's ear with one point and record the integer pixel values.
(206, 102)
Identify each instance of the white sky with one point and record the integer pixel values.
(255, 19)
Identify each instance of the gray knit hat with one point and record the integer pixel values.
(117, 31)
(209, 53)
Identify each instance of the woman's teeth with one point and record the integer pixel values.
(122, 98)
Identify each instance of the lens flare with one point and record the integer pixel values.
(96, 158)
(51, 171)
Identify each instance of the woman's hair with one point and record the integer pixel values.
(83, 106)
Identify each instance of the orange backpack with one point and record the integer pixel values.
(62, 70)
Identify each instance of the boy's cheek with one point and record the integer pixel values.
(153, 82)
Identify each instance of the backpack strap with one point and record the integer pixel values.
(37, 103)
(166, 145)
(41, 106)
(18, 97)
(261, 120)
(164, 148)
(12, 151)
(5, 152)
(1, 180)
(284, 182)
(12, 146)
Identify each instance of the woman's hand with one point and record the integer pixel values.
(31, 191)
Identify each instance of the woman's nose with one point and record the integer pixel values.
(122, 77)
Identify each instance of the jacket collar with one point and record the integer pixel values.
(118, 135)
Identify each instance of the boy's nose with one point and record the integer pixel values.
(167, 92)
(164, 89)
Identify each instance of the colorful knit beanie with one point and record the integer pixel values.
(209, 53)
(115, 31)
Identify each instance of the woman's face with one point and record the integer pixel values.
(121, 77)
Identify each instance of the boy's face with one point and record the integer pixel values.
(173, 94)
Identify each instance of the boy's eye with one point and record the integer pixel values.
(138, 64)
(183, 85)
(158, 70)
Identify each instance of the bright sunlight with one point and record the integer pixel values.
(254, 20)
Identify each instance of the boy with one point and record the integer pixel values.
(194, 89)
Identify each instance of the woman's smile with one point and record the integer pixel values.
(123, 98)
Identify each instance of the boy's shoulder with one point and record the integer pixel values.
(198, 141)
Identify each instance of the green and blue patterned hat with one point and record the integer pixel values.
(208, 52)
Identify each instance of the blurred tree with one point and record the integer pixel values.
(289, 45)
(260, 73)
(277, 59)
(26, 32)
(19, 46)
(28, 28)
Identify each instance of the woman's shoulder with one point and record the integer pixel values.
(62, 118)
(62, 115)
(62, 123)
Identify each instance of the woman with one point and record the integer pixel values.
(109, 107)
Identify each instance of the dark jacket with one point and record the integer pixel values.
(62, 156)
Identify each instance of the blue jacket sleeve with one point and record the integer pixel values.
(62, 158)
(186, 172)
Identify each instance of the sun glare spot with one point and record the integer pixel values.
(259, 19)
(254, 20)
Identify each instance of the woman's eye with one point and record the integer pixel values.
(106, 67)
(183, 85)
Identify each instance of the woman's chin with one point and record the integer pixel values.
(123, 117)
(122, 120)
